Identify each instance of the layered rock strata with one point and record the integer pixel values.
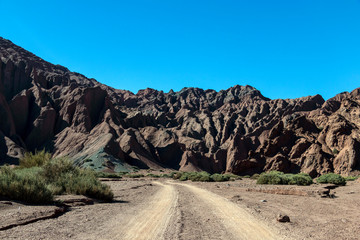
(235, 130)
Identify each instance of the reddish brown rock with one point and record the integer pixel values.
(235, 130)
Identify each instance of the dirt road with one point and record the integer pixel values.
(153, 221)
(238, 223)
(163, 209)
(161, 218)
(156, 210)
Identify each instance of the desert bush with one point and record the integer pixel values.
(301, 179)
(107, 175)
(279, 178)
(24, 185)
(351, 178)
(56, 168)
(184, 176)
(203, 176)
(273, 177)
(84, 182)
(61, 176)
(255, 176)
(36, 159)
(193, 176)
(199, 177)
(153, 175)
(219, 177)
(136, 175)
(176, 175)
(331, 178)
(164, 175)
(56, 176)
(233, 176)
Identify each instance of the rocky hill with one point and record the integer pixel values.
(235, 130)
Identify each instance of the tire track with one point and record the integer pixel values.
(238, 222)
(152, 222)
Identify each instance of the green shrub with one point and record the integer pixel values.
(82, 182)
(56, 168)
(331, 178)
(233, 176)
(255, 176)
(203, 176)
(153, 175)
(135, 175)
(107, 175)
(176, 175)
(184, 176)
(273, 177)
(301, 179)
(279, 178)
(193, 176)
(219, 177)
(351, 178)
(199, 177)
(165, 175)
(37, 159)
(24, 186)
(56, 176)
(335, 151)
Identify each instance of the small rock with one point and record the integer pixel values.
(351, 192)
(283, 218)
(263, 200)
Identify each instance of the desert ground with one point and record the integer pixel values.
(150, 208)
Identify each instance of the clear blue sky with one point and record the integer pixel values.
(286, 49)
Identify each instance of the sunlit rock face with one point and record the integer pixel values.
(235, 130)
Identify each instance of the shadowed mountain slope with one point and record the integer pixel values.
(235, 130)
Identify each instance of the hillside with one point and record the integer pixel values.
(235, 130)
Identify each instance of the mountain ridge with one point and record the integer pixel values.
(234, 130)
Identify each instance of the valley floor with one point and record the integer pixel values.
(166, 209)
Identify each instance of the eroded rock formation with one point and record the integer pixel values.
(235, 130)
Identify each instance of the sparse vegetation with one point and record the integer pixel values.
(279, 178)
(335, 151)
(220, 177)
(332, 178)
(24, 185)
(46, 177)
(203, 176)
(136, 175)
(233, 176)
(164, 175)
(153, 175)
(108, 175)
(351, 178)
(255, 176)
(37, 159)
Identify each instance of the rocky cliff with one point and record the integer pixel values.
(235, 130)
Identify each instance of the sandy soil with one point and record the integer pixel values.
(166, 209)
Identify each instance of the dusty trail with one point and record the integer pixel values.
(239, 224)
(160, 210)
(224, 219)
(153, 221)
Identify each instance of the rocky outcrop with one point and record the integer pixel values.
(235, 130)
